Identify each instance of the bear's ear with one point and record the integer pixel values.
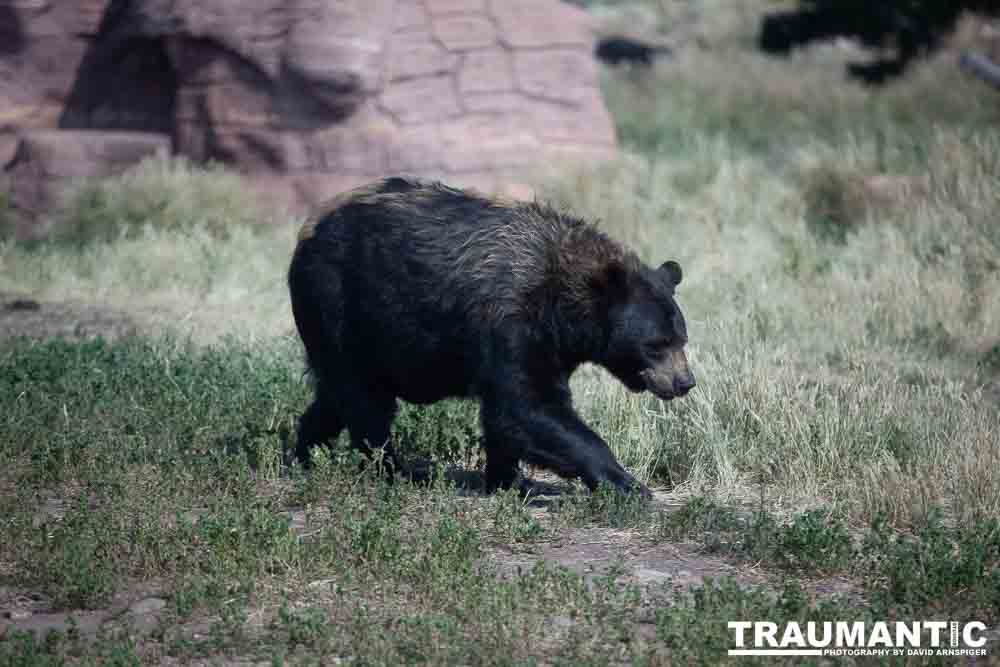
(672, 270)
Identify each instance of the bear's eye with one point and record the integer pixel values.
(656, 348)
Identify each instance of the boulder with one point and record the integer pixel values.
(46, 161)
(309, 94)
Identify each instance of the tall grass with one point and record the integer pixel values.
(185, 248)
(842, 283)
(162, 194)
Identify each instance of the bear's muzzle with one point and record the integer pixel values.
(669, 377)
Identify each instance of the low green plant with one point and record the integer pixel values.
(308, 626)
(813, 541)
(6, 217)
(513, 522)
(162, 194)
(697, 516)
(700, 518)
(74, 560)
(56, 649)
(935, 567)
(990, 360)
(835, 203)
(605, 506)
(26, 649)
(694, 624)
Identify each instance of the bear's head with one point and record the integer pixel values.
(646, 331)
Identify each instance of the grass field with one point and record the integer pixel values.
(839, 460)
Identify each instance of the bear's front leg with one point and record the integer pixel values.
(554, 437)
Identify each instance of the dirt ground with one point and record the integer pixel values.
(659, 569)
(21, 315)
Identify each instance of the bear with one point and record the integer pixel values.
(414, 290)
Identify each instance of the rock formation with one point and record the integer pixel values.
(306, 97)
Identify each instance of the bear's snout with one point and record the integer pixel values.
(684, 384)
(670, 377)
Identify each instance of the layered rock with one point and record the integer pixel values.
(46, 161)
(312, 96)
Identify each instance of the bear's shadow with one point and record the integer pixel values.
(473, 482)
(419, 471)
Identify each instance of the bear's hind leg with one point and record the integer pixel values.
(369, 418)
(319, 424)
(501, 467)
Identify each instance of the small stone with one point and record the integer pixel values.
(24, 304)
(562, 621)
(147, 606)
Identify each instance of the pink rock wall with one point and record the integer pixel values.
(308, 97)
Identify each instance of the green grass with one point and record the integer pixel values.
(682, 627)
(842, 281)
(154, 493)
(935, 567)
(158, 484)
(6, 217)
(185, 249)
(55, 649)
(159, 194)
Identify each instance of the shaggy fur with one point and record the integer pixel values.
(404, 289)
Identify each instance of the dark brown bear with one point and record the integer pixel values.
(413, 290)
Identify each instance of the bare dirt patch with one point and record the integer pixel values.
(22, 315)
(597, 551)
(138, 607)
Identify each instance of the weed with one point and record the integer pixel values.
(934, 566)
(700, 518)
(512, 519)
(308, 626)
(158, 193)
(990, 361)
(24, 649)
(835, 205)
(375, 538)
(55, 649)
(683, 627)
(813, 541)
(605, 506)
(7, 228)
(74, 563)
